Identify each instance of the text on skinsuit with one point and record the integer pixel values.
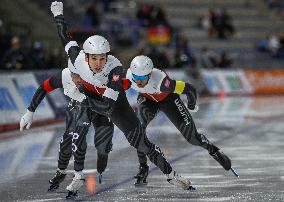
(182, 112)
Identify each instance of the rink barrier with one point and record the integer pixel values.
(243, 82)
(266, 82)
(227, 82)
(16, 91)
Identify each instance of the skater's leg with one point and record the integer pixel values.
(126, 120)
(104, 129)
(79, 147)
(146, 111)
(179, 115)
(65, 150)
(65, 147)
(65, 153)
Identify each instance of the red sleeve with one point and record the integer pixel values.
(47, 86)
(93, 89)
(89, 87)
(126, 83)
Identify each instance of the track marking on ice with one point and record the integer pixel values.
(48, 199)
(201, 176)
(85, 171)
(215, 199)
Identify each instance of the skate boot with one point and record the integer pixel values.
(142, 175)
(222, 159)
(57, 179)
(179, 181)
(101, 165)
(77, 182)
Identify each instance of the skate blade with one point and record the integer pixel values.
(235, 173)
(100, 179)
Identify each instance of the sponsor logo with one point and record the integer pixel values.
(75, 137)
(182, 111)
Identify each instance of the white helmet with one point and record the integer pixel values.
(141, 65)
(96, 45)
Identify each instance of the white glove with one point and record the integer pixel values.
(26, 120)
(56, 8)
(196, 108)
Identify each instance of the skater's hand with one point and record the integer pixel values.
(26, 120)
(56, 8)
(191, 103)
(140, 99)
(191, 100)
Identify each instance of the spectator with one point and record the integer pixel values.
(208, 22)
(159, 57)
(183, 53)
(56, 59)
(212, 22)
(225, 61)
(209, 59)
(159, 30)
(143, 14)
(224, 25)
(36, 56)
(91, 18)
(14, 58)
(273, 44)
(262, 45)
(158, 16)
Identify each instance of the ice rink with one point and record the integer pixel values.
(249, 130)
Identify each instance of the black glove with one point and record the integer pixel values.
(140, 99)
(191, 100)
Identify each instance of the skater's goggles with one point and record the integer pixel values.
(140, 78)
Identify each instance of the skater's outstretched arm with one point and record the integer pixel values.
(71, 47)
(180, 87)
(47, 86)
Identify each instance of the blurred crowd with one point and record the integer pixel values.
(15, 56)
(273, 44)
(149, 30)
(217, 23)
